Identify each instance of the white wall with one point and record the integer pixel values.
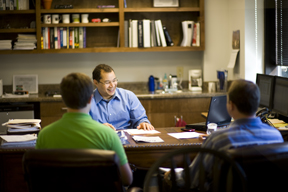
(129, 67)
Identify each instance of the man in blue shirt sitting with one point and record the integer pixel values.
(116, 107)
(243, 99)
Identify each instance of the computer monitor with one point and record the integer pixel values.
(280, 101)
(266, 86)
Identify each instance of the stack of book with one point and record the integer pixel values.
(5, 44)
(28, 140)
(191, 34)
(25, 42)
(14, 4)
(146, 33)
(16, 126)
(63, 37)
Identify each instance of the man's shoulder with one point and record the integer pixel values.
(124, 93)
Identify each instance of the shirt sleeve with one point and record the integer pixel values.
(119, 149)
(137, 111)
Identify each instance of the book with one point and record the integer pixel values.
(2, 5)
(84, 37)
(153, 34)
(187, 29)
(169, 41)
(67, 36)
(48, 38)
(126, 33)
(146, 33)
(71, 37)
(134, 32)
(81, 37)
(51, 38)
(61, 37)
(161, 33)
(140, 33)
(158, 41)
(64, 38)
(76, 37)
(55, 38)
(196, 35)
(130, 32)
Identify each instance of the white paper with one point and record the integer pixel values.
(233, 58)
(140, 131)
(19, 138)
(148, 139)
(184, 135)
(22, 121)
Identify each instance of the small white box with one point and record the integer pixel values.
(166, 3)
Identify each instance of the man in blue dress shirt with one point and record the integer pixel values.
(116, 107)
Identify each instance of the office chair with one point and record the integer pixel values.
(72, 170)
(266, 166)
(174, 159)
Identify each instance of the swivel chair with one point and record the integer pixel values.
(72, 170)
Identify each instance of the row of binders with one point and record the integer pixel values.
(63, 37)
(146, 33)
(151, 33)
(23, 42)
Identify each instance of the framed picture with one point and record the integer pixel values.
(25, 83)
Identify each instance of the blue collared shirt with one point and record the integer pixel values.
(240, 133)
(123, 111)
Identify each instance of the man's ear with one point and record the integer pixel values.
(230, 106)
(89, 101)
(95, 82)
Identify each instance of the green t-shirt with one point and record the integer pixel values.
(79, 130)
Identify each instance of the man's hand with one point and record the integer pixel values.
(109, 125)
(145, 126)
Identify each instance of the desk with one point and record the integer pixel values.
(141, 155)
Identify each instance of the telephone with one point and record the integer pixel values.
(263, 113)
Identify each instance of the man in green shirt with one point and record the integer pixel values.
(76, 129)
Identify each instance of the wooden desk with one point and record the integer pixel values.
(141, 155)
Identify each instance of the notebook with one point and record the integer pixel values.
(217, 114)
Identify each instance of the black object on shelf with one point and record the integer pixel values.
(63, 7)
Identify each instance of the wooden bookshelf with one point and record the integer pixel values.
(104, 37)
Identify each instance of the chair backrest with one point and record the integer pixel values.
(186, 155)
(72, 170)
(266, 166)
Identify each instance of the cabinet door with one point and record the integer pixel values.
(192, 108)
(51, 112)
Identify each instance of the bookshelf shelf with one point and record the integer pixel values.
(105, 37)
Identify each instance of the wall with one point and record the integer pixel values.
(129, 67)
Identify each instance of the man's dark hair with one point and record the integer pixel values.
(245, 95)
(76, 90)
(96, 74)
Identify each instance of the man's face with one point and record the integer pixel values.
(229, 106)
(107, 84)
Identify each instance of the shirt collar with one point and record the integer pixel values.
(99, 98)
(256, 120)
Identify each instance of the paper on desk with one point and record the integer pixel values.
(184, 135)
(147, 139)
(140, 131)
(22, 121)
(274, 121)
(19, 138)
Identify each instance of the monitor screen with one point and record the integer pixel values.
(266, 86)
(280, 101)
(218, 112)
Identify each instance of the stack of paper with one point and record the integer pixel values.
(25, 42)
(147, 139)
(12, 140)
(5, 44)
(23, 125)
(140, 131)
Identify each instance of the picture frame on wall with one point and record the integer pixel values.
(25, 83)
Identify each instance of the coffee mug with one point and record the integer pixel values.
(47, 19)
(84, 18)
(66, 18)
(211, 127)
(211, 87)
(75, 18)
(55, 18)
